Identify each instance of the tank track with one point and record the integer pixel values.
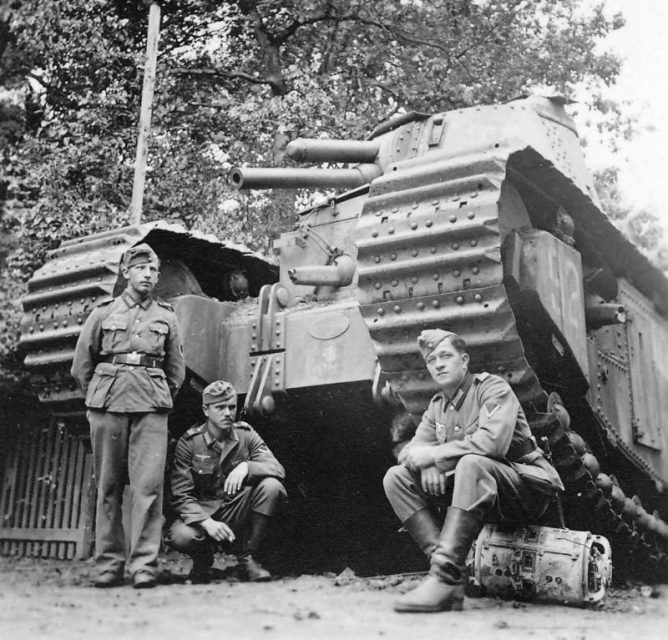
(74, 279)
(430, 256)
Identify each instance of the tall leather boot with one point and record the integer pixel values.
(443, 588)
(249, 568)
(202, 556)
(424, 530)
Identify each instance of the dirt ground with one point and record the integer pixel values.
(53, 599)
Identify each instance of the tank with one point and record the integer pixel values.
(483, 221)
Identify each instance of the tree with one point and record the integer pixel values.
(236, 81)
(642, 227)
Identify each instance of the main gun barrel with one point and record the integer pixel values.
(350, 151)
(273, 178)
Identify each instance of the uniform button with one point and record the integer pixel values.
(457, 428)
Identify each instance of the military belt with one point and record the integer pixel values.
(135, 359)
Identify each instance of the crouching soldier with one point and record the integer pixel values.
(472, 452)
(224, 480)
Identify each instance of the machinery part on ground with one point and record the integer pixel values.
(541, 564)
(484, 221)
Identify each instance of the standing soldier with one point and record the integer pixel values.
(224, 478)
(474, 444)
(129, 363)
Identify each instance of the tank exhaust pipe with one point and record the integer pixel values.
(350, 151)
(273, 178)
(601, 315)
(339, 274)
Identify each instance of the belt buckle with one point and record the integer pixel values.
(133, 358)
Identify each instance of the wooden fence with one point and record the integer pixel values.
(47, 494)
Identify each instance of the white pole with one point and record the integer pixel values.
(150, 64)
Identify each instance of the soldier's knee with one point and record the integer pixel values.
(394, 479)
(270, 490)
(272, 487)
(183, 537)
(472, 465)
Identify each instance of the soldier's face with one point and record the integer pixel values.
(447, 366)
(221, 414)
(142, 277)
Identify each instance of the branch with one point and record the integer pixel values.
(325, 17)
(403, 36)
(220, 74)
(460, 62)
(40, 79)
(386, 88)
(290, 30)
(268, 45)
(492, 29)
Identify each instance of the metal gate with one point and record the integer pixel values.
(48, 494)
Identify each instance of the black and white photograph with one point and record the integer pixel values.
(333, 319)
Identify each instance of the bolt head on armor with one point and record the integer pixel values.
(429, 339)
(139, 255)
(218, 391)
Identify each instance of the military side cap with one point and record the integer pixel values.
(218, 391)
(429, 339)
(139, 255)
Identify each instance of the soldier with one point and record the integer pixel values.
(474, 445)
(129, 363)
(224, 478)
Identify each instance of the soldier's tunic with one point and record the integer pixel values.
(201, 466)
(482, 441)
(127, 410)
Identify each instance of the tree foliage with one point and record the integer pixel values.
(236, 81)
(642, 227)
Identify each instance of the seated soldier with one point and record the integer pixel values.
(472, 452)
(224, 479)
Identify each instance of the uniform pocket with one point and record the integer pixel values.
(204, 474)
(114, 330)
(204, 468)
(157, 333)
(103, 379)
(161, 395)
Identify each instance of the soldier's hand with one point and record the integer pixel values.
(417, 456)
(433, 481)
(218, 531)
(235, 479)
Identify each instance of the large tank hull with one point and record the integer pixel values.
(485, 222)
